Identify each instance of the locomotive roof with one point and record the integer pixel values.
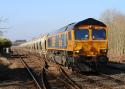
(89, 21)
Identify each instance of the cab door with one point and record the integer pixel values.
(70, 40)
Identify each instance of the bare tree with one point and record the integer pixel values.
(116, 23)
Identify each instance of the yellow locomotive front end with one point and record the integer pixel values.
(91, 44)
(91, 41)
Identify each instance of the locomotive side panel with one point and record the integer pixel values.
(57, 42)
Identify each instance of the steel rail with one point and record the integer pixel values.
(31, 74)
(76, 86)
(44, 80)
(90, 80)
(111, 78)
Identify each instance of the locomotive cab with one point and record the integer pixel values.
(91, 42)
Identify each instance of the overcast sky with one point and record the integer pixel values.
(29, 18)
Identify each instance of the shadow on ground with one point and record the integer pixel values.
(112, 68)
(7, 74)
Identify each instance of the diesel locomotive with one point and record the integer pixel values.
(82, 45)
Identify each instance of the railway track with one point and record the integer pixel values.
(44, 82)
(92, 82)
(41, 80)
(38, 85)
(103, 80)
(63, 81)
(70, 81)
(99, 81)
(79, 81)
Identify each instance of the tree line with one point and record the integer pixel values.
(116, 33)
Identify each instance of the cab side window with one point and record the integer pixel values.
(70, 35)
(64, 40)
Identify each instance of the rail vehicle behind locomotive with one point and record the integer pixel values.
(77, 44)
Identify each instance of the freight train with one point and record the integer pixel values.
(82, 45)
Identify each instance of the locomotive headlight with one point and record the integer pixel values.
(103, 50)
(77, 51)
